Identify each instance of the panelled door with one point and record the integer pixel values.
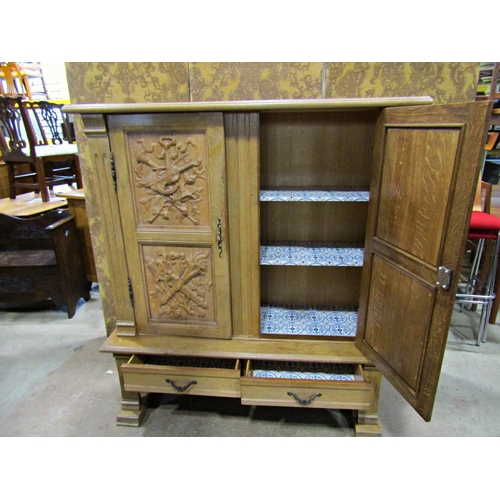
(426, 165)
(171, 184)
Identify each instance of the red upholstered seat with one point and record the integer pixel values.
(483, 225)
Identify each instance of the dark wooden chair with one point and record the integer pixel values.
(41, 259)
(34, 149)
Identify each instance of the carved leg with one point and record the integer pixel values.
(366, 422)
(133, 407)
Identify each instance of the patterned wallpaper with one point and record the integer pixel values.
(445, 82)
(93, 82)
(99, 82)
(113, 82)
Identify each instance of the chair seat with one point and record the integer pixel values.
(483, 225)
(55, 150)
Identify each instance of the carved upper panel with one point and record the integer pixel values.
(170, 179)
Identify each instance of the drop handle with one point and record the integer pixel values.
(219, 237)
(304, 402)
(180, 388)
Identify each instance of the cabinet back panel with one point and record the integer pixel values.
(316, 149)
(300, 286)
(317, 222)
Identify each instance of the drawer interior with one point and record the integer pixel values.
(303, 370)
(191, 362)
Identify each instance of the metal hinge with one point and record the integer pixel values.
(113, 170)
(131, 292)
(444, 277)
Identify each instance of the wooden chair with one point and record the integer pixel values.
(35, 161)
(16, 79)
(41, 259)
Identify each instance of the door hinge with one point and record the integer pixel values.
(131, 292)
(444, 277)
(113, 170)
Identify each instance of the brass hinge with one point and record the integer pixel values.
(444, 277)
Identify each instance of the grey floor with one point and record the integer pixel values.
(55, 382)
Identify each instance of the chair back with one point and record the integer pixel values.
(16, 140)
(49, 123)
(482, 200)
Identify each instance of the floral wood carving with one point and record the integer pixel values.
(168, 171)
(181, 283)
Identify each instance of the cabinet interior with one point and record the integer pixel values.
(315, 171)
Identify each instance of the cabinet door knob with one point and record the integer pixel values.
(179, 388)
(304, 402)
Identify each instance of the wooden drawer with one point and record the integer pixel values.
(173, 375)
(295, 385)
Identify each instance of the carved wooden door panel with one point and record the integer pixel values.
(171, 184)
(425, 171)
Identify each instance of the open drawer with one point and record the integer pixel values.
(315, 385)
(181, 375)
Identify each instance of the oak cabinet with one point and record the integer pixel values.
(283, 252)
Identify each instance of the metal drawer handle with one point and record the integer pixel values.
(179, 388)
(304, 402)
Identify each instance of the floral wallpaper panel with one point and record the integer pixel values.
(446, 82)
(123, 82)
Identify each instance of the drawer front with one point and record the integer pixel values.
(139, 377)
(333, 394)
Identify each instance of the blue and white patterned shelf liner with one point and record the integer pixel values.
(314, 322)
(311, 256)
(302, 375)
(314, 195)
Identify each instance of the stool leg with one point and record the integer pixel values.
(490, 285)
(474, 271)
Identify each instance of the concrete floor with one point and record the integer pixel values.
(54, 382)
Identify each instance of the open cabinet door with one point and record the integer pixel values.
(426, 164)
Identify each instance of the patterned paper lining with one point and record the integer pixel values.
(292, 255)
(315, 322)
(302, 370)
(314, 195)
(302, 375)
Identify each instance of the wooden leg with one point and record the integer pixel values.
(133, 407)
(42, 182)
(496, 301)
(366, 422)
(12, 190)
(78, 172)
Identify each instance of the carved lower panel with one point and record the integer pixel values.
(169, 176)
(179, 284)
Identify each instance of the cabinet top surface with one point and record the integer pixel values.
(269, 105)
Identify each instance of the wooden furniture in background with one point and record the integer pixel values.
(4, 180)
(76, 206)
(29, 204)
(41, 259)
(15, 80)
(35, 164)
(285, 252)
